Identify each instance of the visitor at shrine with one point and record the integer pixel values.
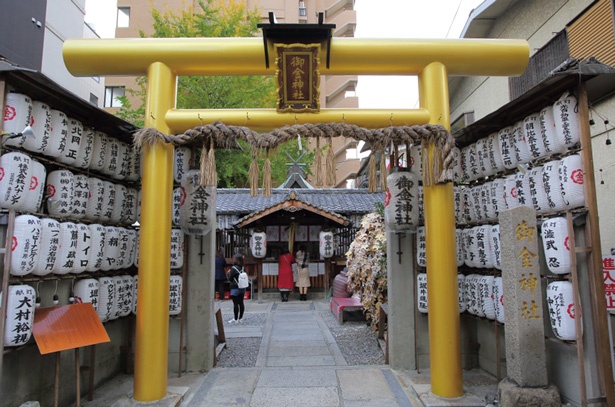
(236, 292)
(286, 280)
(341, 289)
(220, 265)
(303, 272)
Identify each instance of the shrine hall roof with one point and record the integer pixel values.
(343, 201)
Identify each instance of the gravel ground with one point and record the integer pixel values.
(355, 339)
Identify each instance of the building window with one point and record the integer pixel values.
(112, 93)
(123, 17)
(93, 99)
(302, 9)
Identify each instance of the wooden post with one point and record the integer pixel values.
(5, 277)
(56, 387)
(77, 379)
(259, 279)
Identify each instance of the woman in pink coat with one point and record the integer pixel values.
(286, 281)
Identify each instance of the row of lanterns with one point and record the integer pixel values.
(552, 130)
(45, 246)
(24, 181)
(67, 140)
(326, 244)
(112, 298)
(483, 296)
(479, 246)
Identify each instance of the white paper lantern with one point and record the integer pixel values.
(469, 211)
(326, 244)
(512, 192)
(41, 127)
(49, 246)
(401, 210)
(531, 127)
(19, 315)
(86, 148)
(476, 202)
(175, 295)
(470, 163)
(133, 237)
(484, 256)
(118, 204)
(25, 245)
(117, 289)
(122, 259)
(416, 161)
(136, 258)
(84, 248)
(567, 123)
(498, 195)
(17, 116)
(463, 306)
(58, 133)
(177, 248)
(421, 293)
(258, 244)
(495, 158)
(123, 162)
(458, 197)
(553, 186)
(421, 247)
(73, 142)
(60, 190)
(36, 188)
(81, 193)
(181, 163)
(550, 142)
(125, 303)
(109, 201)
(135, 283)
(99, 151)
(472, 292)
(469, 247)
(112, 156)
(129, 214)
(112, 248)
(485, 289)
(538, 195)
(198, 212)
(508, 151)
(487, 199)
(571, 180)
(556, 244)
(560, 301)
(67, 251)
(15, 177)
(459, 246)
(134, 173)
(496, 248)
(86, 290)
(522, 183)
(457, 166)
(522, 150)
(178, 196)
(421, 206)
(482, 153)
(106, 298)
(95, 259)
(96, 199)
(498, 299)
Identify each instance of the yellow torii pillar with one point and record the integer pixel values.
(162, 60)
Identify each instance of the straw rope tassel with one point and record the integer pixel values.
(372, 180)
(427, 172)
(253, 174)
(212, 175)
(330, 164)
(318, 163)
(383, 171)
(267, 176)
(203, 166)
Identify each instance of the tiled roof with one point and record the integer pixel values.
(341, 201)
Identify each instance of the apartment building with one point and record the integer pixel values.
(335, 91)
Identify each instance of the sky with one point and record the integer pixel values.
(375, 19)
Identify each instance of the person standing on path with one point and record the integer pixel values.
(303, 272)
(286, 281)
(220, 273)
(236, 292)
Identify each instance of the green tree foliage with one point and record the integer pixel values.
(221, 18)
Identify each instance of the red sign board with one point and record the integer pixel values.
(298, 77)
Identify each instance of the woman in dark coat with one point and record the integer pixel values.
(220, 274)
(286, 281)
(236, 292)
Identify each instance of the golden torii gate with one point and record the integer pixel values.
(163, 60)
